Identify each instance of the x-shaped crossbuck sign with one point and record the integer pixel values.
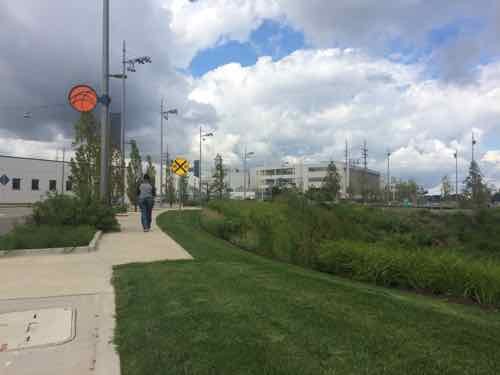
(180, 167)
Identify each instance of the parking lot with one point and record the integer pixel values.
(10, 216)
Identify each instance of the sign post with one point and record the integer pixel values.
(180, 167)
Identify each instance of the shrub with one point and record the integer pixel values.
(439, 273)
(60, 210)
(414, 249)
(46, 236)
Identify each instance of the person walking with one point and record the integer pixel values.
(146, 193)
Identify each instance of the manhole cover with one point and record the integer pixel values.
(29, 329)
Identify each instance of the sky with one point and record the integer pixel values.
(291, 80)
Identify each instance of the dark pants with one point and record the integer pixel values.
(146, 206)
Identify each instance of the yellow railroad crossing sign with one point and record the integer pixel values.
(180, 166)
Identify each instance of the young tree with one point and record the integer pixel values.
(475, 190)
(406, 190)
(170, 189)
(151, 170)
(445, 188)
(116, 178)
(219, 186)
(85, 166)
(331, 183)
(183, 189)
(134, 174)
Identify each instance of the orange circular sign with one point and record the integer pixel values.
(83, 98)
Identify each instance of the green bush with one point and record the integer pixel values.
(439, 273)
(61, 210)
(455, 253)
(46, 236)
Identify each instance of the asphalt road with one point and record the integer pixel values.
(10, 216)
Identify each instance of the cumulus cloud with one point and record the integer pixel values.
(301, 107)
(197, 25)
(377, 27)
(310, 102)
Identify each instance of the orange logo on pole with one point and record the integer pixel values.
(83, 98)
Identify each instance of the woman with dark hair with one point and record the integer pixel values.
(146, 193)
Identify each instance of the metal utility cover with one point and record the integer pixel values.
(36, 328)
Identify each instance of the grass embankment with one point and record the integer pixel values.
(456, 255)
(233, 312)
(46, 236)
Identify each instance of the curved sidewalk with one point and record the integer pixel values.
(31, 282)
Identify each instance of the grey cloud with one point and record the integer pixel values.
(48, 46)
(372, 25)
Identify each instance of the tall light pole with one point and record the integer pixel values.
(163, 116)
(202, 138)
(473, 146)
(105, 101)
(456, 174)
(388, 184)
(128, 65)
(245, 157)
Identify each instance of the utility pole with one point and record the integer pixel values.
(473, 146)
(123, 115)
(388, 183)
(245, 174)
(162, 112)
(456, 174)
(202, 138)
(247, 154)
(63, 161)
(364, 157)
(199, 177)
(347, 168)
(104, 178)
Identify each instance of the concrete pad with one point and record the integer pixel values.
(36, 328)
(78, 357)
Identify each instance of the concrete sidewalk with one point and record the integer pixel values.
(70, 280)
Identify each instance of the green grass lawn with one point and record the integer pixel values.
(46, 236)
(232, 312)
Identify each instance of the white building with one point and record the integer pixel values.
(27, 180)
(302, 176)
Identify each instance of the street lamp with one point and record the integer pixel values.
(246, 155)
(203, 137)
(456, 174)
(128, 65)
(164, 116)
(388, 183)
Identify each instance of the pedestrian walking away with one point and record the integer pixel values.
(146, 193)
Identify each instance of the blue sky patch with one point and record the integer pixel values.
(270, 39)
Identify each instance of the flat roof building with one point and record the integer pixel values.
(28, 180)
(302, 176)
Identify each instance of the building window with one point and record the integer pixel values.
(52, 185)
(316, 179)
(318, 169)
(69, 185)
(284, 171)
(267, 172)
(35, 185)
(16, 184)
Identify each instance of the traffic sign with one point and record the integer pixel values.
(180, 166)
(4, 180)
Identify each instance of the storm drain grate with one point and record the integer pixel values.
(36, 328)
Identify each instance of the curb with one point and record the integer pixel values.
(92, 246)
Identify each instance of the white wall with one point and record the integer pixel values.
(28, 169)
